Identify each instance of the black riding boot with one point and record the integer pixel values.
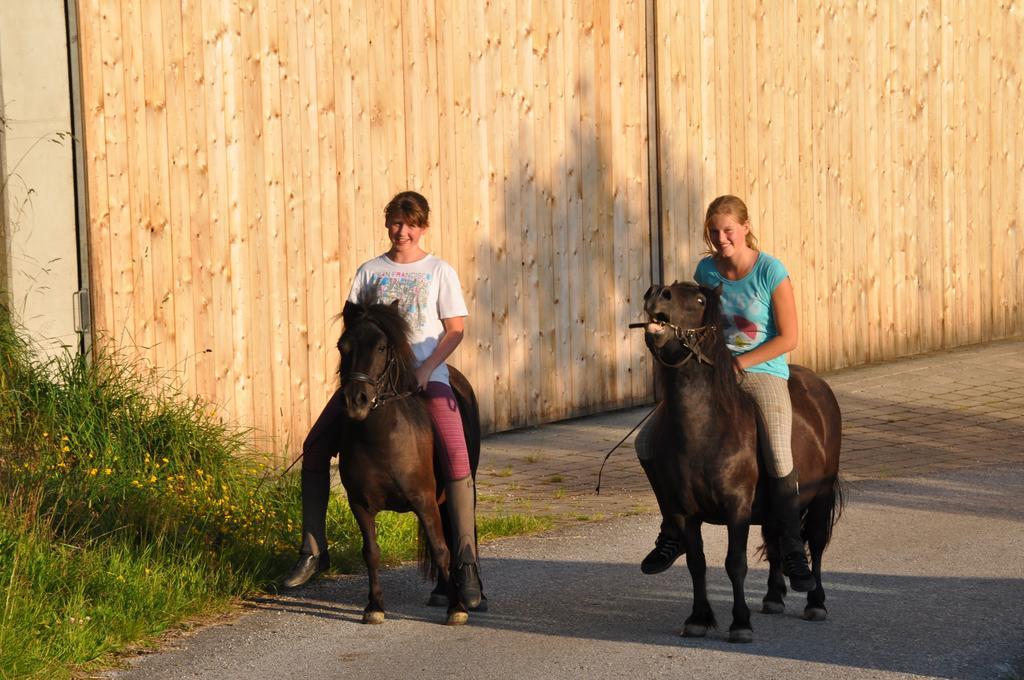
(313, 556)
(670, 544)
(465, 571)
(785, 500)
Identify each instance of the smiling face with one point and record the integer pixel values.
(406, 217)
(405, 236)
(728, 236)
(727, 231)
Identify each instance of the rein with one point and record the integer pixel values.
(621, 442)
(692, 339)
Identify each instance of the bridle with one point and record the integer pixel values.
(692, 339)
(385, 386)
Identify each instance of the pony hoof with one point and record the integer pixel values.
(741, 635)
(815, 614)
(457, 619)
(771, 607)
(694, 630)
(373, 618)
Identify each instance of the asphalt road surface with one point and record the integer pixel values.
(924, 578)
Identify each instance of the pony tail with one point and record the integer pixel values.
(427, 566)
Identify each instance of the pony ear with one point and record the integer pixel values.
(350, 310)
(718, 289)
(394, 303)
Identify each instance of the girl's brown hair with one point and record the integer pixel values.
(409, 207)
(728, 205)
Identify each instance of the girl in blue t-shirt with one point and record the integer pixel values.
(760, 326)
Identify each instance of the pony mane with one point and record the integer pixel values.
(392, 323)
(728, 396)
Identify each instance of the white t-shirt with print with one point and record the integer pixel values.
(427, 291)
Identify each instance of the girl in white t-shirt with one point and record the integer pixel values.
(428, 291)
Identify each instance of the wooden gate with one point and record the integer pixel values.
(239, 154)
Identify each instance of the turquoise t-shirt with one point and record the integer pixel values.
(747, 308)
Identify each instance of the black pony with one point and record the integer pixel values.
(704, 444)
(389, 461)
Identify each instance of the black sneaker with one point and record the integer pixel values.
(666, 551)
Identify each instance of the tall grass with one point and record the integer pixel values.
(126, 507)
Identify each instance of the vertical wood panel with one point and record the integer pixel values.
(259, 348)
(199, 231)
(179, 245)
(295, 136)
(94, 126)
(284, 426)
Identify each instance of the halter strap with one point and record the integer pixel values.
(383, 393)
(691, 339)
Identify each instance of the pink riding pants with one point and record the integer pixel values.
(444, 411)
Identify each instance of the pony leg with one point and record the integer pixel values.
(439, 595)
(697, 623)
(774, 599)
(367, 521)
(430, 519)
(736, 567)
(817, 530)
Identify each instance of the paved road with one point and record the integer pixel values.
(924, 578)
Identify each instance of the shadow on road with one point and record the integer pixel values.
(904, 599)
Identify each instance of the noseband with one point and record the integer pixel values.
(692, 339)
(385, 386)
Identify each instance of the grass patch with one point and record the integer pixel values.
(500, 526)
(126, 508)
(554, 479)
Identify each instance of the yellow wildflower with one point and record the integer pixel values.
(152, 479)
(92, 472)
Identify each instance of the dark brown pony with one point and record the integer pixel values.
(705, 448)
(389, 460)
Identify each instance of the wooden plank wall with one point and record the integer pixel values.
(880, 148)
(240, 154)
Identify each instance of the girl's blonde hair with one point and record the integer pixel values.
(727, 205)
